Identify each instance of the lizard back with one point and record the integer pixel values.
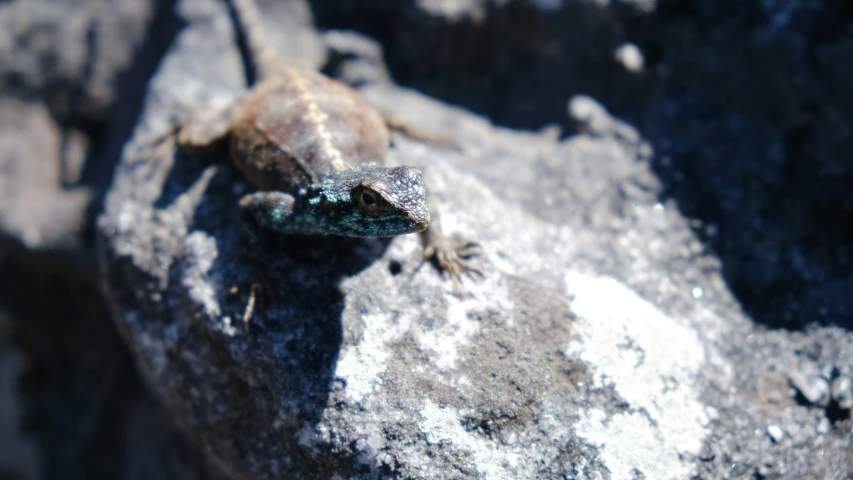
(297, 127)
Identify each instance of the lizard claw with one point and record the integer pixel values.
(454, 260)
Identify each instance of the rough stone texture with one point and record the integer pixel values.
(72, 403)
(77, 71)
(70, 52)
(747, 104)
(39, 211)
(19, 454)
(73, 406)
(612, 336)
(604, 341)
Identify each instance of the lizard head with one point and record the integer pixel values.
(373, 201)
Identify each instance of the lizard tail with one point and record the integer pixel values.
(264, 58)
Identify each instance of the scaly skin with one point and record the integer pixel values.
(367, 201)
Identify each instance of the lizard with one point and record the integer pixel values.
(316, 149)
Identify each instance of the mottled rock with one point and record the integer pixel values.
(813, 387)
(776, 433)
(40, 208)
(602, 341)
(72, 403)
(842, 392)
(70, 53)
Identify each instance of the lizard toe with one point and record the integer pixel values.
(455, 261)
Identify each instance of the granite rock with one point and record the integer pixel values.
(603, 342)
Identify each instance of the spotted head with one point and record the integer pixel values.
(372, 201)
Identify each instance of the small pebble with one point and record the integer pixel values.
(823, 427)
(814, 388)
(630, 56)
(842, 392)
(593, 118)
(776, 433)
(585, 110)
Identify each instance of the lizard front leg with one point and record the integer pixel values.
(260, 211)
(449, 257)
(268, 210)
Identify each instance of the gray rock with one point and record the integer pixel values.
(70, 395)
(813, 387)
(69, 386)
(594, 119)
(60, 67)
(39, 209)
(823, 427)
(585, 352)
(349, 368)
(751, 143)
(842, 392)
(603, 341)
(70, 53)
(776, 433)
(18, 451)
(630, 56)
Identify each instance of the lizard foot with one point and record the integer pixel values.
(453, 260)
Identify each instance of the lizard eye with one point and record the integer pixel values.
(369, 202)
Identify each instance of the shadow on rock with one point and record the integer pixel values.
(81, 398)
(253, 338)
(747, 105)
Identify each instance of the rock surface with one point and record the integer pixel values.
(666, 292)
(72, 403)
(603, 341)
(64, 67)
(747, 104)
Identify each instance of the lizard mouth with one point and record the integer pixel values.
(422, 225)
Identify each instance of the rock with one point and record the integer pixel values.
(40, 209)
(73, 405)
(758, 158)
(842, 392)
(823, 427)
(585, 350)
(630, 56)
(69, 384)
(814, 388)
(71, 53)
(593, 118)
(62, 60)
(776, 433)
(19, 454)
(652, 281)
(348, 367)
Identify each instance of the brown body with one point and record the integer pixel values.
(298, 127)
